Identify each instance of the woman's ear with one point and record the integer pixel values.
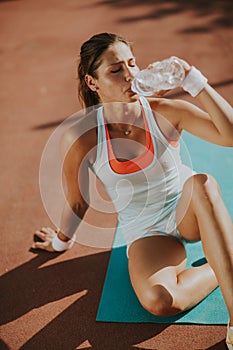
(91, 82)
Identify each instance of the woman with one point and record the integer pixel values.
(132, 144)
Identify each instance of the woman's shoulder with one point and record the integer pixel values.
(166, 104)
(82, 134)
(169, 109)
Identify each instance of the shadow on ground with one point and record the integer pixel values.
(215, 13)
(31, 286)
(219, 346)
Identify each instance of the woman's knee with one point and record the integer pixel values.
(205, 187)
(158, 301)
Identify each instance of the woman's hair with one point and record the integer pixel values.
(90, 60)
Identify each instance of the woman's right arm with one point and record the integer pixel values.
(75, 170)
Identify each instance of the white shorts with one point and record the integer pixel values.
(175, 234)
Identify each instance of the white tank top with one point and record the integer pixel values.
(145, 200)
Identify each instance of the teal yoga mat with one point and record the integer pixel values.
(118, 301)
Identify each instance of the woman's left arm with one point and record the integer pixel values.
(220, 112)
(214, 125)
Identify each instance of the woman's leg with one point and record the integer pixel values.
(158, 276)
(207, 218)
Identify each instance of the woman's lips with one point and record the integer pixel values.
(129, 91)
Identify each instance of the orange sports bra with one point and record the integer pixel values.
(136, 164)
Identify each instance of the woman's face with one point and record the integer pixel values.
(115, 74)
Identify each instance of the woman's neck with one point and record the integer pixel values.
(121, 112)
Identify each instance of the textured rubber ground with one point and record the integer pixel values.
(51, 301)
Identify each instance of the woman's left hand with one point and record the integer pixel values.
(186, 66)
(183, 63)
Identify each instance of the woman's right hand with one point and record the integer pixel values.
(46, 234)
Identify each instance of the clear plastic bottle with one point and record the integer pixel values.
(163, 75)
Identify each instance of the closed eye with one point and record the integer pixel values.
(116, 70)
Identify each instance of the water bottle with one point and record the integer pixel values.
(163, 75)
